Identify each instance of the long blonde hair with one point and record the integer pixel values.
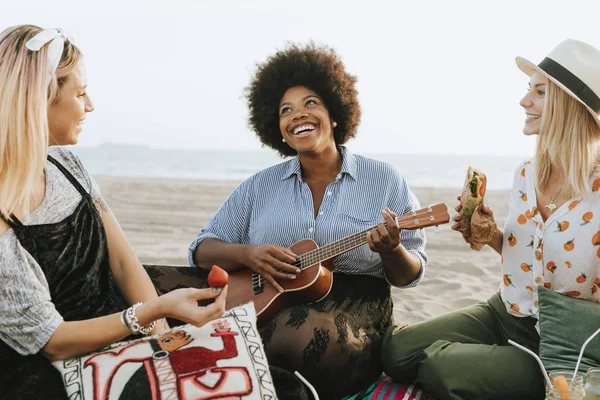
(27, 87)
(569, 137)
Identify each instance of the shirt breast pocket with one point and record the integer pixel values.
(351, 222)
(360, 219)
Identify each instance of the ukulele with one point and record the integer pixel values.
(316, 264)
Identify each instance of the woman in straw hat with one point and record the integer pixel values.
(61, 294)
(553, 219)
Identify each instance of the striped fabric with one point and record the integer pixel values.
(385, 389)
(275, 206)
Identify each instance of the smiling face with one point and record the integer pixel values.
(304, 121)
(533, 103)
(67, 112)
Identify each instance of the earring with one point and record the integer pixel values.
(334, 124)
(283, 140)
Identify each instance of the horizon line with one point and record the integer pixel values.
(274, 153)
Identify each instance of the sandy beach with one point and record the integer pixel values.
(161, 217)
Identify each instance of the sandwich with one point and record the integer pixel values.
(472, 195)
(477, 228)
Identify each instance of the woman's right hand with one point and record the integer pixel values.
(182, 304)
(272, 261)
(457, 217)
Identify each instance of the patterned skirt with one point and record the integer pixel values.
(335, 343)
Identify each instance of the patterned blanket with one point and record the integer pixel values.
(385, 389)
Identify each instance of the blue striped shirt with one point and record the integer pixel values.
(275, 206)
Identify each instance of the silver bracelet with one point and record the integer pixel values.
(133, 323)
(124, 321)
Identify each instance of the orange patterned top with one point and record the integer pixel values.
(561, 253)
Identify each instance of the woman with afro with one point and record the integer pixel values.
(303, 104)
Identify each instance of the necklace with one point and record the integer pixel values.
(551, 206)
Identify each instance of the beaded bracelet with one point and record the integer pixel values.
(132, 323)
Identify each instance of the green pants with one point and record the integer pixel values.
(465, 354)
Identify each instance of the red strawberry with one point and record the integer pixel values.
(217, 277)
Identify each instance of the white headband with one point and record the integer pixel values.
(57, 38)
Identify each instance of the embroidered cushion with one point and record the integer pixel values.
(224, 359)
(565, 323)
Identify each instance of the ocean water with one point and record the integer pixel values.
(439, 171)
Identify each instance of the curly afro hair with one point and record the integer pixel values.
(315, 67)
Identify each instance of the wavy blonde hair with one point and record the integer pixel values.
(27, 87)
(570, 138)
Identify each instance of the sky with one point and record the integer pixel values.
(434, 77)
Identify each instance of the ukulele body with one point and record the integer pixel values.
(311, 285)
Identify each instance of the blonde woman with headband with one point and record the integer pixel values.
(62, 295)
(549, 239)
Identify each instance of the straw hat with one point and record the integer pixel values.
(575, 67)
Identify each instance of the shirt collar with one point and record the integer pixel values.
(348, 165)
(348, 162)
(293, 168)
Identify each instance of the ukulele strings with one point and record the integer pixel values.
(341, 246)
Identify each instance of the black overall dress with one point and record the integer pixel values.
(73, 254)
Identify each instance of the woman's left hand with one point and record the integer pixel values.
(382, 239)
